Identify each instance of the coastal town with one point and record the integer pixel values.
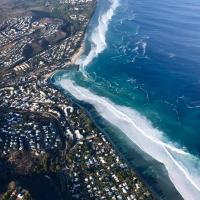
(46, 137)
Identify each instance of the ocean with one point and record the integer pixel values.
(141, 72)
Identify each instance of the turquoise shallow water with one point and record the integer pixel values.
(148, 62)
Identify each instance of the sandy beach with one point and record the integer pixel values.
(77, 54)
(50, 74)
(72, 61)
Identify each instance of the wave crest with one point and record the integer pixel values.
(98, 37)
(182, 167)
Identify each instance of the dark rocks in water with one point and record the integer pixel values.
(77, 66)
(74, 66)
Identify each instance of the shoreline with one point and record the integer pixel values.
(114, 146)
(79, 51)
(87, 107)
(68, 66)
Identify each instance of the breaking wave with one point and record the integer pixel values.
(183, 168)
(98, 37)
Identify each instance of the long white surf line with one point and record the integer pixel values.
(135, 126)
(149, 139)
(98, 36)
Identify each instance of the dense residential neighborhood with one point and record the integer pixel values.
(44, 135)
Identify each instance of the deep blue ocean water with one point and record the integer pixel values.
(150, 66)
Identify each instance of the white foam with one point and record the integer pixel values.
(184, 176)
(182, 167)
(98, 37)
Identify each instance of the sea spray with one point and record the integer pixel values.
(98, 37)
(140, 131)
(182, 167)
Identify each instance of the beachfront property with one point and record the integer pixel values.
(42, 124)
